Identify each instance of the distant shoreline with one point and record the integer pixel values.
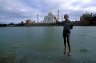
(36, 24)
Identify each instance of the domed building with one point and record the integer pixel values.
(28, 21)
(49, 18)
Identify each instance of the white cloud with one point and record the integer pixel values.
(90, 9)
(78, 6)
(17, 8)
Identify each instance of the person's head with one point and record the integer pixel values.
(66, 16)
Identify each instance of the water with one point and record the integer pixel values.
(45, 45)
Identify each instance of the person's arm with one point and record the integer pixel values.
(72, 24)
(58, 21)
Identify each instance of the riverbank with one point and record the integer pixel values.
(24, 25)
(37, 24)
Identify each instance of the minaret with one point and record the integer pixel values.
(37, 18)
(58, 15)
(62, 17)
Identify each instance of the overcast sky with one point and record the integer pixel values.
(19, 10)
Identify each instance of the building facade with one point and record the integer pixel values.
(49, 18)
(28, 21)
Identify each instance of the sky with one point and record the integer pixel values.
(19, 10)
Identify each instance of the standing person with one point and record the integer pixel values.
(66, 32)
